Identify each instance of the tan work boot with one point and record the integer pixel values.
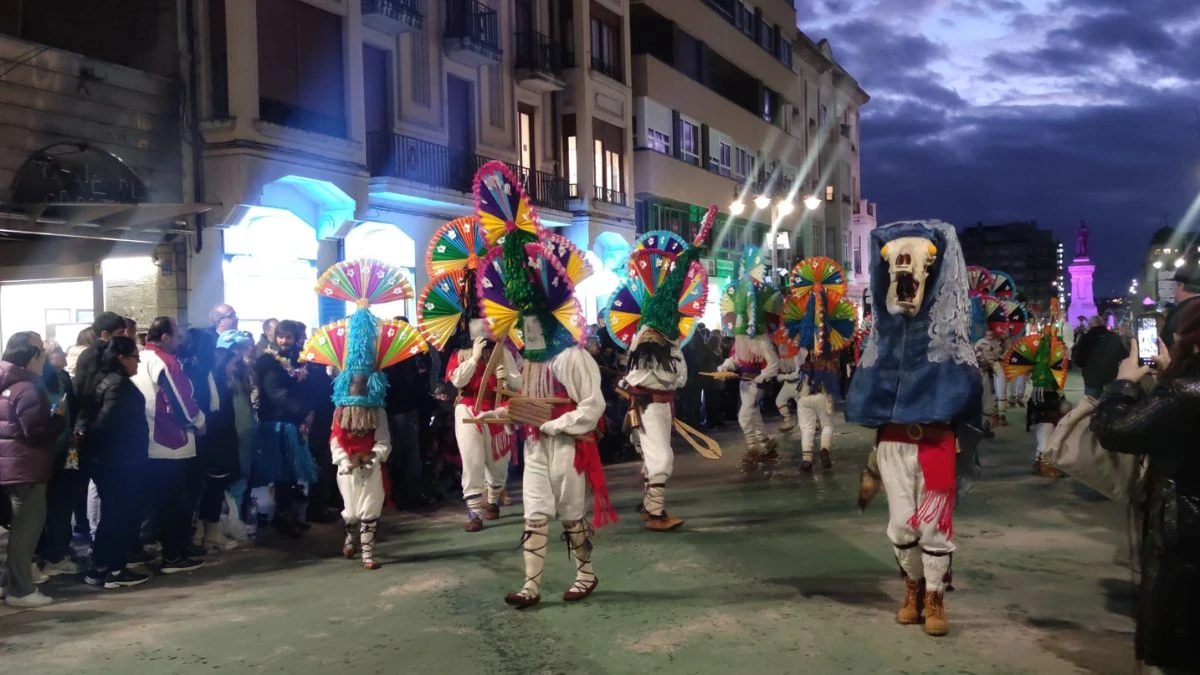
(935, 615)
(914, 599)
(664, 523)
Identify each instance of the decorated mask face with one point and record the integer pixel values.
(531, 331)
(909, 260)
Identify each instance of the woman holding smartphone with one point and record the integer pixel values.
(1162, 425)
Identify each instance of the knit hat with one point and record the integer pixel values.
(362, 346)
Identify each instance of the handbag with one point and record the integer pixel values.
(1076, 450)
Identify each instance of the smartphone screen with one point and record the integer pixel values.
(1147, 337)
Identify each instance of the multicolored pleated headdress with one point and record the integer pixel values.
(816, 311)
(751, 305)
(527, 279)
(361, 346)
(665, 289)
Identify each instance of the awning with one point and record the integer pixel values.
(142, 223)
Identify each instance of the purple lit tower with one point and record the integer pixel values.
(1083, 301)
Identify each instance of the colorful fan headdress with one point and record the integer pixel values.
(527, 272)
(822, 318)
(750, 306)
(1043, 357)
(666, 287)
(363, 345)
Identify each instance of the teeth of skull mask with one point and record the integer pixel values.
(909, 260)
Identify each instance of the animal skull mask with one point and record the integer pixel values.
(909, 260)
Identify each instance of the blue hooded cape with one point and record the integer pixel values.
(920, 370)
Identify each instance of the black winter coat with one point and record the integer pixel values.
(1099, 353)
(1163, 426)
(119, 434)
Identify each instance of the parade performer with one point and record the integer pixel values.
(818, 315)
(654, 315)
(1043, 359)
(745, 310)
(989, 352)
(360, 348)
(917, 381)
(528, 279)
(447, 313)
(790, 359)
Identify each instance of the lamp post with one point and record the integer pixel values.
(782, 207)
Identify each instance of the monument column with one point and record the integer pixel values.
(1083, 301)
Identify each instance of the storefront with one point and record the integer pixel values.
(79, 237)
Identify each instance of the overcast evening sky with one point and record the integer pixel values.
(1053, 110)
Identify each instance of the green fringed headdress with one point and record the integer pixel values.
(661, 311)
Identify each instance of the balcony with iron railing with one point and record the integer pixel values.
(394, 16)
(440, 166)
(538, 63)
(609, 68)
(608, 195)
(472, 35)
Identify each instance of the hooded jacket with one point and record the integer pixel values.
(918, 370)
(27, 428)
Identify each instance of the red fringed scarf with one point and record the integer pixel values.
(936, 454)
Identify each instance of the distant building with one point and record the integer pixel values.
(1029, 254)
(1168, 251)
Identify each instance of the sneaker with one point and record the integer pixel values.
(124, 579)
(64, 566)
(181, 565)
(34, 599)
(194, 551)
(37, 575)
(95, 577)
(139, 558)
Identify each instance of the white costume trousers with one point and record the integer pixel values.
(481, 468)
(653, 438)
(1041, 435)
(989, 394)
(551, 487)
(750, 415)
(1000, 387)
(788, 392)
(811, 409)
(362, 493)
(1016, 388)
(925, 552)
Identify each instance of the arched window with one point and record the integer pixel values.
(387, 243)
(270, 268)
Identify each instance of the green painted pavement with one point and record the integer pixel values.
(773, 573)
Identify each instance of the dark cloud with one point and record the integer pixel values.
(1123, 165)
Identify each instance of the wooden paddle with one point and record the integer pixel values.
(701, 443)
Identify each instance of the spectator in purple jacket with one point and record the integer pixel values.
(29, 426)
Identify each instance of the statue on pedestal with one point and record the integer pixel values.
(1081, 240)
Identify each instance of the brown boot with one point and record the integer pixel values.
(914, 599)
(474, 524)
(826, 460)
(1037, 466)
(663, 523)
(1048, 470)
(491, 511)
(935, 614)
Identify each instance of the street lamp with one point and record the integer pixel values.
(762, 201)
(1179, 262)
(785, 207)
(737, 207)
(811, 202)
(1158, 264)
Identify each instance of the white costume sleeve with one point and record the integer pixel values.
(681, 371)
(578, 373)
(772, 357)
(464, 371)
(512, 371)
(335, 448)
(730, 364)
(383, 437)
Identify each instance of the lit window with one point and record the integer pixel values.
(572, 161)
(689, 143)
(658, 141)
(725, 159)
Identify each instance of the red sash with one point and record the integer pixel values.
(936, 453)
(351, 444)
